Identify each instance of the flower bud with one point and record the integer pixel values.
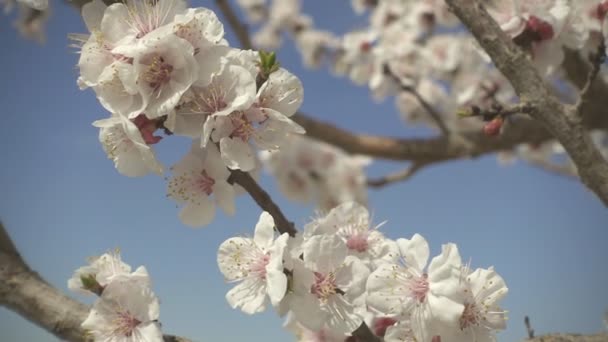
(493, 127)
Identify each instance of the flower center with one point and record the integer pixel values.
(357, 242)
(243, 128)
(419, 287)
(125, 323)
(324, 286)
(259, 267)
(158, 73)
(210, 100)
(205, 183)
(470, 316)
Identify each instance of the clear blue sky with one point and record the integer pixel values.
(62, 201)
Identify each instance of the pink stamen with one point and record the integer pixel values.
(324, 286)
(259, 267)
(469, 317)
(205, 183)
(419, 287)
(125, 323)
(357, 242)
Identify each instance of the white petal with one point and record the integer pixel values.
(264, 231)
(415, 251)
(282, 92)
(224, 196)
(237, 154)
(234, 257)
(198, 215)
(324, 253)
(276, 286)
(92, 13)
(249, 295)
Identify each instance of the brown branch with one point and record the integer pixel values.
(473, 142)
(263, 200)
(238, 27)
(559, 120)
(596, 59)
(26, 293)
(399, 176)
(427, 107)
(529, 329)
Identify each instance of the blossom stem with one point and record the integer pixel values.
(261, 197)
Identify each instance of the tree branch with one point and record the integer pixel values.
(262, 198)
(397, 176)
(26, 293)
(559, 120)
(596, 59)
(427, 107)
(238, 27)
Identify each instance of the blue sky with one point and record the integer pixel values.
(62, 201)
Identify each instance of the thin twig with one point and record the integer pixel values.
(262, 198)
(531, 88)
(427, 106)
(6, 244)
(238, 27)
(596, 59)
(397, 176)
(529, 327)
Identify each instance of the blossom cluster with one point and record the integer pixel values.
(308, 170)
(160, 66)
(421, 45)
(126, 308)
(341, 272)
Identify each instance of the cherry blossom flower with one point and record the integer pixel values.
(163, 69)
(328, 286)
(309, 170)
(304, 334)
(257, 264)
(101, 271)
(400, 332)
(126, 311)
(201, 28)
(481, 316)
(426, 296)
(195, 178)
(122, 141)
(265, 123)
(350, 221)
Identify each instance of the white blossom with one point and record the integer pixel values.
(328, 287)
(407, 289)
(350, 221)
(125, 312)
(103, 270)
(124, 144)
(198, 176)
(481, 316)
(257, 264)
